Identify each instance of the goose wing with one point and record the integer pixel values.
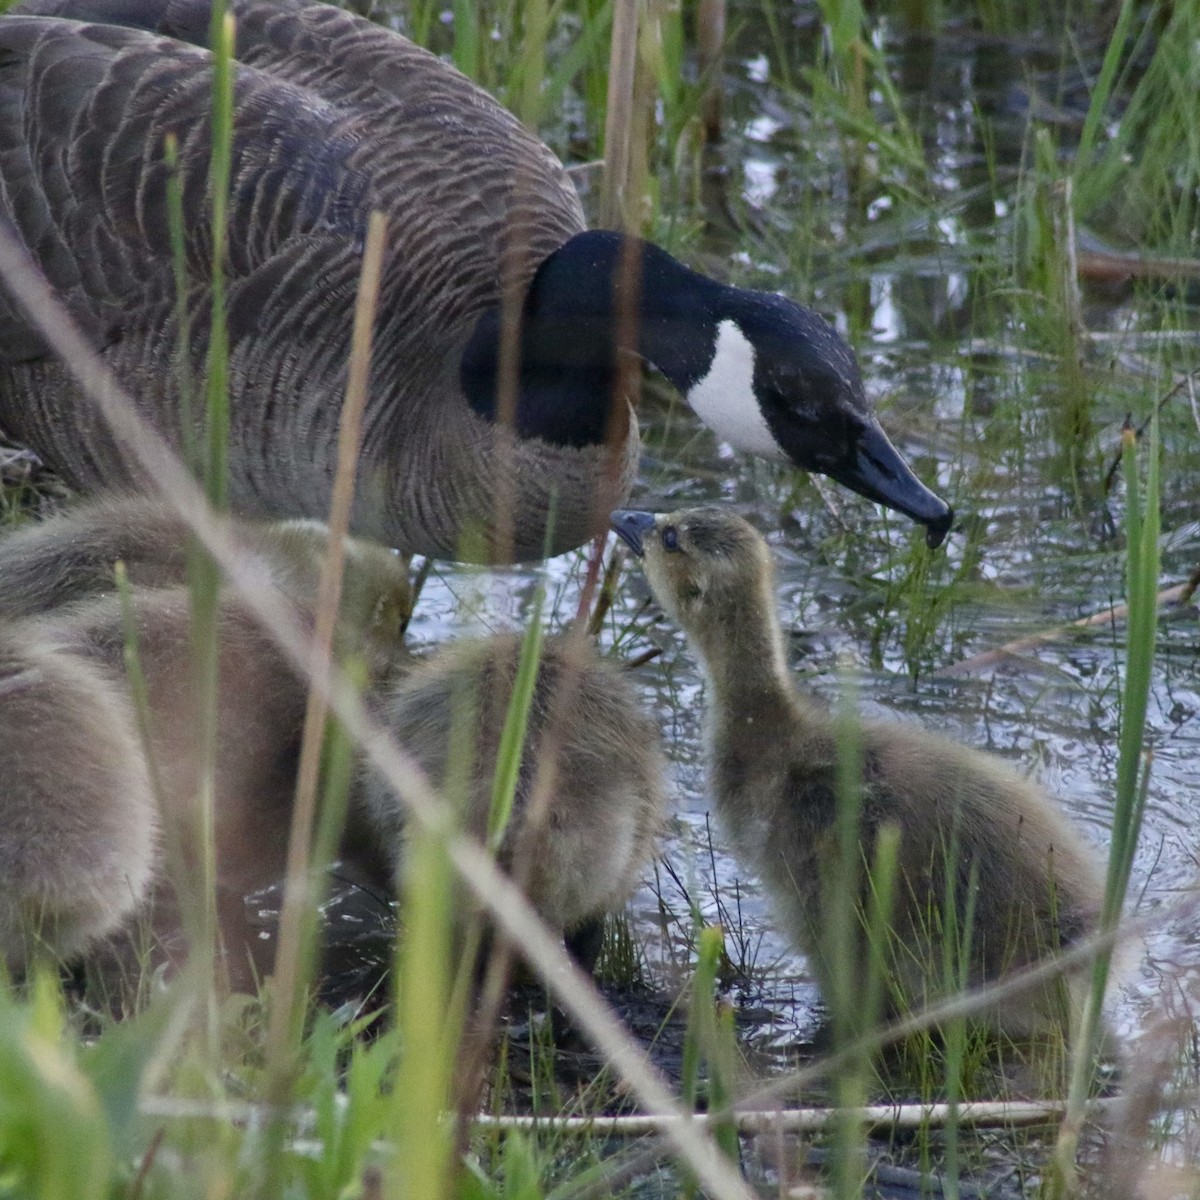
(333, 117)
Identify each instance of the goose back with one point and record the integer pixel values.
(333, 117)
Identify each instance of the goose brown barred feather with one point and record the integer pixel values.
(1032, 882)
(334, 117)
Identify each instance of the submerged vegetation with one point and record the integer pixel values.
(996, 203)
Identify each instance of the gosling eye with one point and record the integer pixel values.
(670, 538)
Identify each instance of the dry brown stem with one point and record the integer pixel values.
(1178, 595)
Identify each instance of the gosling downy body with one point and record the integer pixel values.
(58, 574)
(260, 716)
(590, 798)
(335, 117)
(79, 831)
(70, 558)
(1032, 882)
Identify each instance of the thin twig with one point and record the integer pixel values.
(414, 592)
(1111, 265)
(980, 1114)
(591, 578)
(1063, 216)
(139, 1180)
(329, 593)
(608, 589)
(710, 51)
(1178, 387)
(1178, 595)
(618, 120)
(640, 660)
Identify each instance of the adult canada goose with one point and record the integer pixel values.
(335, 117)
(773, 762)
(70, 558)
(590, 798)
(78, 821)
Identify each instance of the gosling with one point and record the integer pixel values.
(70, 558)
(260, 715)
(773, 760)
(79, 827)
(57, 597)
(590, 800)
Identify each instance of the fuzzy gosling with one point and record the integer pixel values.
(68, 560)
(1032, 882)
(79, 828)
(590, 799)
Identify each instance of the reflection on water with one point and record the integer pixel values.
(920, 279)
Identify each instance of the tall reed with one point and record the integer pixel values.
(1142, 529)
(203, 575)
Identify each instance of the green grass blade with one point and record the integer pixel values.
(177, 232)
(220, 171)
(516, 723)
(1142, 564)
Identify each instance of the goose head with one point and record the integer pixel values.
(764, 373)
(710, 569)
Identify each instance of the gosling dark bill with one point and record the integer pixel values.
(631, 526)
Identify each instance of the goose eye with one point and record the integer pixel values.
(670, 538)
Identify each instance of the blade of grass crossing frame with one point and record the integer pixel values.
(1142, 525)
(1142, 564)
(958, 934)
(884, 870)
(220, 170)
(1102, 92)
(177, 233)
(516, 724)
(422, 1165)
(56, 1142)
(295, 957)
(293, 964)
(703, 1044)
(709, 944)
(203, 576)
(841, 939)
(535, 19)
(467, 51)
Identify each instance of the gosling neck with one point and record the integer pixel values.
(742, 649)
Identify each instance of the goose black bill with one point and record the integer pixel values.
(876, 470)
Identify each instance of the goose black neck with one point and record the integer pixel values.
(572, 327)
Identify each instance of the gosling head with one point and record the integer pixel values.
(707, 567)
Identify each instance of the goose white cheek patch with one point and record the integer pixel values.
(724, 399)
